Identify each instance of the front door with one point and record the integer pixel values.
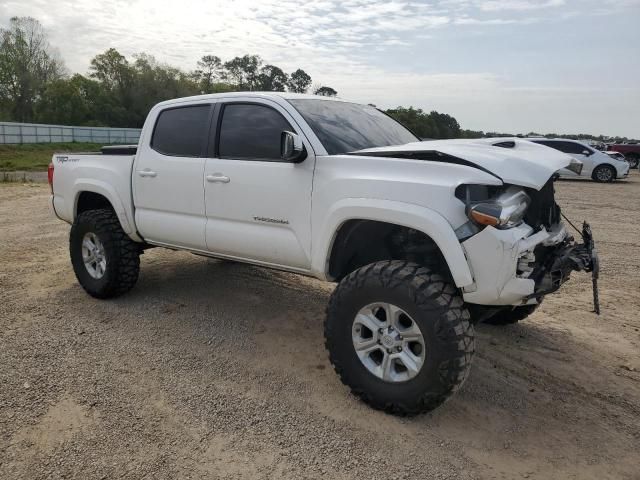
(168, 183)
(258, 207)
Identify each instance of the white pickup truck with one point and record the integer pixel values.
(424, 238)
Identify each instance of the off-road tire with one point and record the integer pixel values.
(509, 316)
(601, 168)
(122, 254)
(434, 304)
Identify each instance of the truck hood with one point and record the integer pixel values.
(513, 160)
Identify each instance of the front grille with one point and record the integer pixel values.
(543, 211)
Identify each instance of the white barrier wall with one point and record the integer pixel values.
(11, 132)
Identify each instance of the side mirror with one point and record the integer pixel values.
(586, 152)
(291, 147)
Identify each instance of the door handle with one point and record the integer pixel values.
(217, 178)
(147, 173)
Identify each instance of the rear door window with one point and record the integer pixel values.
(182, 132)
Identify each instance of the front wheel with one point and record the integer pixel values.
(105, 260)
(604, 174)
(399, 336)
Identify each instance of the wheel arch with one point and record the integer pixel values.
(605, 164)
(93, 194)
(355, 218)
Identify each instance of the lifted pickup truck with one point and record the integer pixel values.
(423, 238)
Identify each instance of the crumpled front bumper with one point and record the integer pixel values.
(517, 266)
(622, 170)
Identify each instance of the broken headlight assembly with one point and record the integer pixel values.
(505, 210)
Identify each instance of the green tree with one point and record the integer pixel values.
(272, 79)
(116, 77)
(299, 81)
(243, 72)
(112, 69)
(448, 127)
(325, 91)
(208, 73)
(67, 102)
(80, 101)
(471, 133)
(427, 125)
(153, 82)
(27, 64)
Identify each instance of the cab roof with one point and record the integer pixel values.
(278, 96)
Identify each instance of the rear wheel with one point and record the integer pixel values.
(105, 260)
(399, 336)
(604, 174)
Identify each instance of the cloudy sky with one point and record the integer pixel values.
(564, 66)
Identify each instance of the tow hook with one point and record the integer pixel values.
(585, 258)
(587, 236)
(581, 257)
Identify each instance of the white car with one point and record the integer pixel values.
(423, 238)
(597, 165)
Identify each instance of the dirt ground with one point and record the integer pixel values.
(218, 370)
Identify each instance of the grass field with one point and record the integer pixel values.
(36, 157)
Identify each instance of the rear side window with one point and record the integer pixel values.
(566, 147)
(251, 131)
(182, 132)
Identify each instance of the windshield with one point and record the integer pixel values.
(346, 127)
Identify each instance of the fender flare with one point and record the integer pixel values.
(605, 164)
(106, 190)
(409, 215)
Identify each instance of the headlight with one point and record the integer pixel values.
(504, 211)
(575, 166)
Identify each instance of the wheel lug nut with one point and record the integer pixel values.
(388, 350)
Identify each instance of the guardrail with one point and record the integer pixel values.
(17, 133)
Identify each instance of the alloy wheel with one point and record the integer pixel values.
(93, 255)
(388, 342)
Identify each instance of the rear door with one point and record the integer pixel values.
(168, 177)
(258, 207)
(577, 151)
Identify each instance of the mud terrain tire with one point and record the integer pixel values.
(121, 254)
(438, 310)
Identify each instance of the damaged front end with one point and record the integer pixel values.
(519, 264)
(565, 258)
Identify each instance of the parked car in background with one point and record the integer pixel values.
(596, 164)
(631, 152)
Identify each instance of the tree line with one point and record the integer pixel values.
(434, 125)
(35, 86)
